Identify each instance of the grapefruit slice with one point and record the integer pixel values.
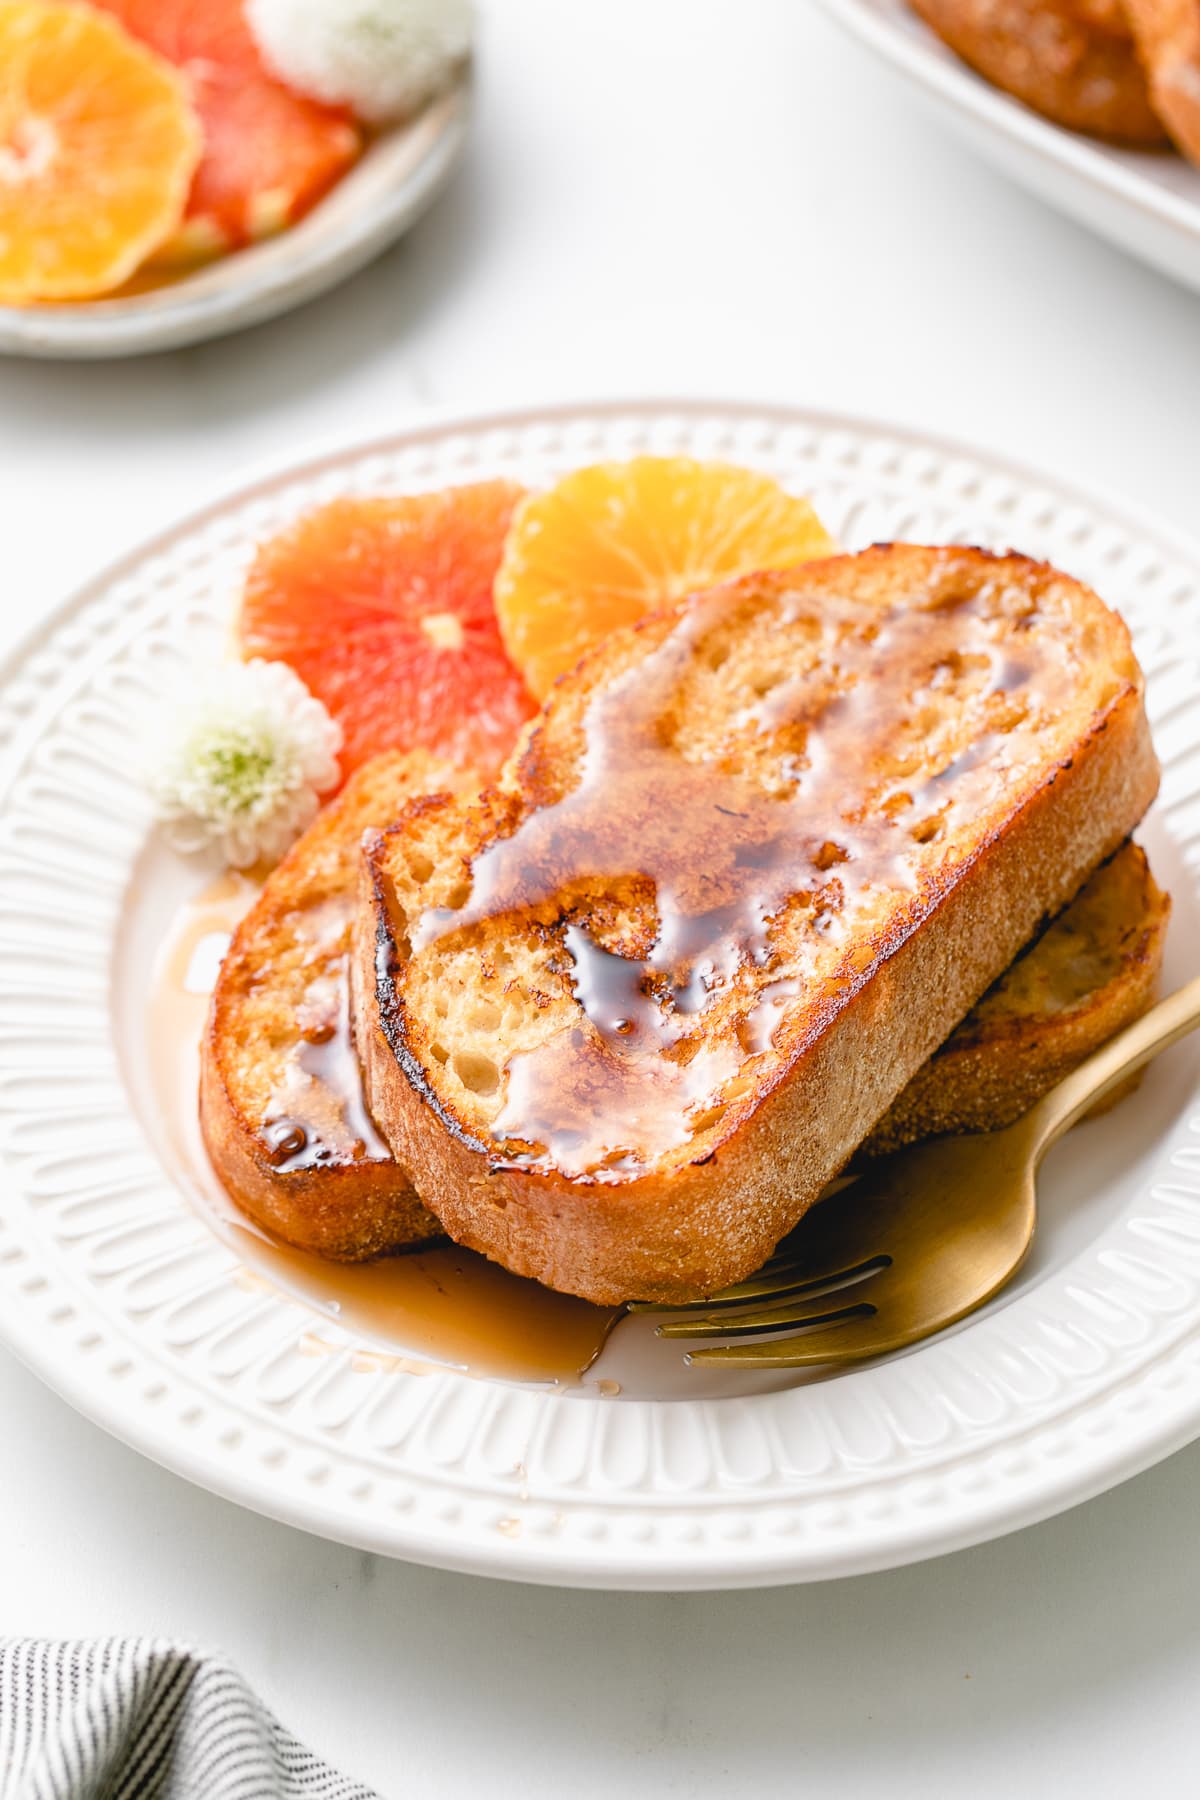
(384, 608)
(269, 154)
(98, 142)
(611, 542)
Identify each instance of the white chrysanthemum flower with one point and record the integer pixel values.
(242, 762)
(381, 58)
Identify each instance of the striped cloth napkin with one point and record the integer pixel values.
(144, 1719)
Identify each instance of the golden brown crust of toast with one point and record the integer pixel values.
(1167, 33)
(284, 975)
(1073, 61)
(1093, 971)
(708, 1214)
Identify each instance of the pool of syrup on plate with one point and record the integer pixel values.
(440, 1306)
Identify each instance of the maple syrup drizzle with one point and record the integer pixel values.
(436, 1307)
(318, 1112)
(729, 873)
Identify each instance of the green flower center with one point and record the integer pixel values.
(245, 768)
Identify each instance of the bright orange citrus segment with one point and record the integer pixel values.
(269, 153)
(98, 142)
(384, 608)
(609, 543)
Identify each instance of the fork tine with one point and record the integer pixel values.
(840, 1341)
(792, 1277)
(781, 1318)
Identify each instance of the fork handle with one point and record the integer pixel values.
(1162, 1026)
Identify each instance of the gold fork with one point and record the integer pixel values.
(925, 1237)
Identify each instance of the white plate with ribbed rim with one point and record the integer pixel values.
(1145, 201)
(115, 1290)
(401, 173)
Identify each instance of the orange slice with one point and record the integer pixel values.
(269, 154)
(98, 142)
(609, 543)
(384, 608)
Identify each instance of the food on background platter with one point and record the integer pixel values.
(843, 796)
(384, 608)
(140, 138)
(626, 1015)
(609, 543)
(1074, 61)
(269, 152)
(98, 143)
(1124, 70)
(281, 1102)
(1168, 40)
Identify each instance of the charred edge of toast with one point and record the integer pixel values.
(389, 1007)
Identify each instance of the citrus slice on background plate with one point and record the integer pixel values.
(384, 608)
(98, 141)
(269, 153)
(608, 543)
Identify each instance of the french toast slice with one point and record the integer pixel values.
(1093, 971)
(1073, 61)
(627, 1013)
(281, 1103)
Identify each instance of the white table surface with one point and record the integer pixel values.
(676, 198)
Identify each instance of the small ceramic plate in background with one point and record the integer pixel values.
(373, 205)
(1148, 202)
